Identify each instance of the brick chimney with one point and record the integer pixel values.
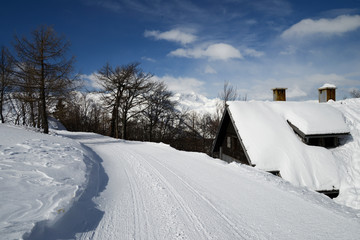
(327, 92)
(279, 94)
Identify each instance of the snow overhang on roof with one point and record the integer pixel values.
(327, 86)
(313, 118)
(272, 144)
(279, 88)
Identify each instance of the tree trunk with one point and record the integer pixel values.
(43, 113)
(113, 122)
(150, 131)
(32, 115)
(123, 129)
(1, 106)
(44, 116)
(38, 120)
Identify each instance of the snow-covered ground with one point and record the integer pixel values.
(54, 188)
(41, 176)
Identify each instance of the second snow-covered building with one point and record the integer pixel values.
(285, 138)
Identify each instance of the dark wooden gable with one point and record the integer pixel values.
(228, 145)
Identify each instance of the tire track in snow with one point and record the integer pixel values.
(140, 219)
(158, 179)
(241, 233)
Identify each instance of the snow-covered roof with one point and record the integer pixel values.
(312, 118)
(327, 86)
(271, 144)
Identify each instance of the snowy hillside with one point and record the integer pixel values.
(114, 189)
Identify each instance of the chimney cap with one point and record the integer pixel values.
(278, 88)
(327, 86)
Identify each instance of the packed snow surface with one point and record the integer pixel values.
(141, 190)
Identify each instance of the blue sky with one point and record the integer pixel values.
(197, 45)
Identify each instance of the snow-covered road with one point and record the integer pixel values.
(156, 192)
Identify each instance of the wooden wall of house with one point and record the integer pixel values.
(279, 94)
(327, 142)
(327, 94)
(231, 145)
(331, 94)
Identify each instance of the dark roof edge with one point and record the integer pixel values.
(239, 137)
(303, 135)
(219, 129)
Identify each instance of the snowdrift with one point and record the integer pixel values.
(41, 176)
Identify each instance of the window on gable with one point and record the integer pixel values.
(228, 142)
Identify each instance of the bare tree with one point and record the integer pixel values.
(124, 87)
(44, 67)
(355, 93)
(114, 81)
(229, 93)
(133, 99)
(158, 107)
(6, 69)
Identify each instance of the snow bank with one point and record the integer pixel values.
(348, 155)
(272, 145)
(40, 175)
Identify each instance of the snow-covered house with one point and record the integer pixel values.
(278, 136)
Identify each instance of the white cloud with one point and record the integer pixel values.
(338, 25)
(253, 53)
(148, 59)
(290, 50)
(218, 51)
(91, 80)
(181, 84)
(320, 79)
(296, 92)
(174, 35)
(262, 89)
(210, 70)
(251, 22)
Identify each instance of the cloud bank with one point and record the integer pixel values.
(218, 51)
(338, 25)
(174, 35)
(181, 84)
(91, 81)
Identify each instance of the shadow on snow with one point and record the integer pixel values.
(83, 216)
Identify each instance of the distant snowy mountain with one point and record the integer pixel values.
(196, 102)
(186, 101)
